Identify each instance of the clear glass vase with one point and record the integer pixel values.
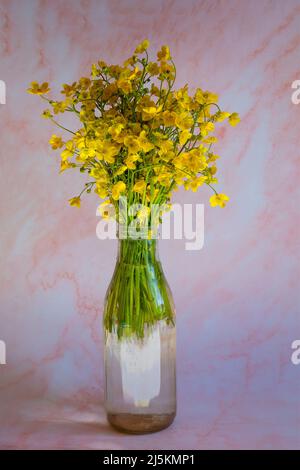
(140, 342)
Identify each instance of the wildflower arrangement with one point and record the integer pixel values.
(139, 138)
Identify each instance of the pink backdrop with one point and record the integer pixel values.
(237, 299)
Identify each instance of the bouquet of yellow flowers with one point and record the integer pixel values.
(138, 137)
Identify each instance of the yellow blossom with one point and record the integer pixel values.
(125, 85)
(221, 116)
(234, 119)
(120, 170)
(210, 140)
(194, 183)
(59, 106)
(101, 190)
(115, 130)
(68, 152)
(184, 121)
(164, 53)
(130, 161)
(132, 144)
(139, 186)
(166, 149)
(99, 174)
(142, 47)
(218, 200)
(109, 152)
(75, 201)
(164, 178)
(184, 136)
(69, 90)
(109, 91)
(65, 165)
(117, 189)
(153, 68)
(154, 90)
(94, 70)
(207, 127)
(84, 82)
(37, 89)
(86, 153)
(47, 114)
(212, 157)
(150, 112)
(144, 143)
(205, 97)
(169, 118)
(56, 142)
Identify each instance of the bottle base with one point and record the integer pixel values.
(140, 423)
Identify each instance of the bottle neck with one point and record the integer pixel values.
(138, 252)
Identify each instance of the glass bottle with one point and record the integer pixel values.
(140, 341)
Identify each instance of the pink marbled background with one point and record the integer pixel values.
(237, 299)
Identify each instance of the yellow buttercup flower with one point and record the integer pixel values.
(166, 148)
(234, 119)
(167, 70)
(221, 116)
(95, 71)
(86, 153)
(169, 118)
(153, 68)
(68, 152)
(218, 200)
(212, 157)
(59, 106)
(194, 183)
(47, 114)
(143, 142)
(164, 53)
(110, 90)
(101, 190)
(115, 130)
(142, 47)
(164, 178)
(150, 112)
(99, 173)
(184, 100)
(56, 142)
(37, 89)
(69, 90)
(118, 189)
(120, 170)
(210, 140)
(84, 82)
(108, 152)
(139, 186)
(184, 121)
(130, 161)
(206, 128)
(125, 85)
(75, 201)
(154, 90)
(205, 97)
(132, 144)
(65, 165)
(184, 136)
